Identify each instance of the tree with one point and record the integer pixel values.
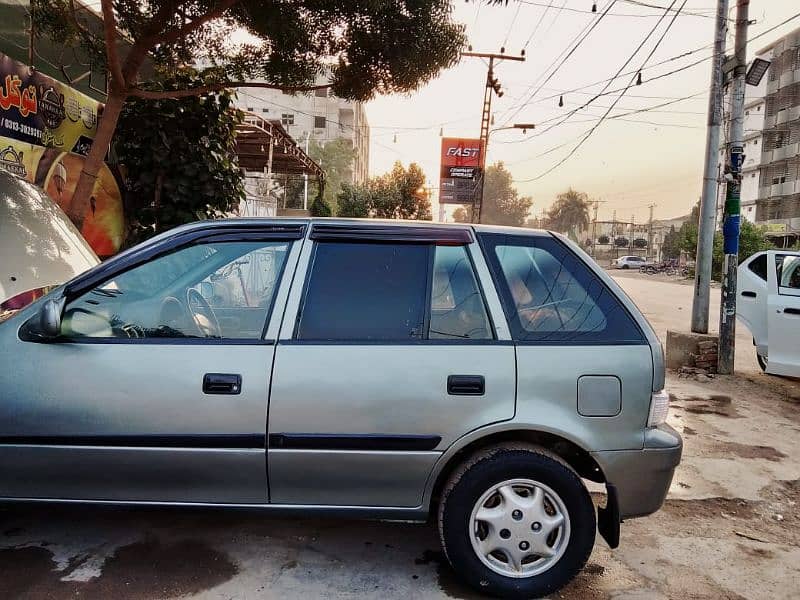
(603, 240)
(398, 194)
(670, 247)
(368, 48)
(463, 214)
(640, 243)
(336, 159)
(502, 204)
(401, 194)
(179, 167)
(570, 212)
(621, 242)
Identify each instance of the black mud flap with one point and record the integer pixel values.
(608, 518)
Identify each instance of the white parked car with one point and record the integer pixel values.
(768, 304)
(630, 262)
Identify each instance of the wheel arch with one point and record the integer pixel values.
(568, 450)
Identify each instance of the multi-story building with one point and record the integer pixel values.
(318, 115)
(778, 201)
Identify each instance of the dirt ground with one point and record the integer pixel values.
(730, 528)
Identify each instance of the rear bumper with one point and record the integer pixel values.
(642, 477)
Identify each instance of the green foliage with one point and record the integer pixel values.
(570, 212)
(670, 247)
(751, 240)
(179, 159)
(621, 242)
(502, 204)
(320, 208)
(640, 243)
(603, 240)
(336, 159)
(463, 214)
(399, 194)
(377, 47)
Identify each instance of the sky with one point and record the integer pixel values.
(629, 163)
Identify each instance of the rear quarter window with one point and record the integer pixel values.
(550, 295)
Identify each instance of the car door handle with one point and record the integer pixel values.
(222, 383)
(466, 385)
(791, 311)
(748, 294)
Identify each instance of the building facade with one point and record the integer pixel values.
(779, 190)
(318, 115)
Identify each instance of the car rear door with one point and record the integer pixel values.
(132, 402)
(751, 303)
(783, 313)
(386, 357)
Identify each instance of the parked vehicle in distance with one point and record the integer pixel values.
(39, 245)
(350, 368)
(768, 304)
(630, 262)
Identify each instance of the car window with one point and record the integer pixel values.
(457, 307)
(550, 295)
(221, 290)
(759, 266)
(365, 291)
(790, 273)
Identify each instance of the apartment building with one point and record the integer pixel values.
(318, 115)
(778, 201)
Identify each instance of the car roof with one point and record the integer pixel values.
(255, 221)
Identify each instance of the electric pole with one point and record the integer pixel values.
(633, 233)
(732, 210)
(594, 230)
(650, 231)
(492, 87)
(708, 201)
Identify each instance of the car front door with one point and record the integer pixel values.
(783, 314)
(392, 356)
(157, 388)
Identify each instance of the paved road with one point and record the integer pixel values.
(731, 528)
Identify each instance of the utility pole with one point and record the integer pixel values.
(614, 234)
(708, 201)
(633, 234)
(650, 231)
(594, 230)
(492, 87)
(732, 210)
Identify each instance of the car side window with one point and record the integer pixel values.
(550, 296)
(457, 307)
(219, 290)
(759, 266)
(789, 275)
(365, 291)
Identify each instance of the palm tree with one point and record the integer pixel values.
(570, 212)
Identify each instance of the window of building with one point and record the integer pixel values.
(265, 110)
(319, 122)
(755, 141)
(321, 93)
(250, 109)
(758, 108)
(287, 119)
(747, 113)
(217, 290)
(550, 296)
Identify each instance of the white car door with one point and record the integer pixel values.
(783, 313)
(751, 305)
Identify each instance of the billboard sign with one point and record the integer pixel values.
(39, 110)
(460, 172)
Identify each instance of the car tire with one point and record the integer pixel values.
(626, 266)
(500, 484)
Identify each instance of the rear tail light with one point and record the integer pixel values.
(659, 408)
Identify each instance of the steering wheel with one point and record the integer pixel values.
(202, 314)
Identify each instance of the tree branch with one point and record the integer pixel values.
(174, 35)
(216, 87)
(73, 17)
(112, 56)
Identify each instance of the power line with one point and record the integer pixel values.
(511, 27)
(600, 122)
(539, 22)
(638, 15)
(576, 43)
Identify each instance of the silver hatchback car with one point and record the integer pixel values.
(358, 368)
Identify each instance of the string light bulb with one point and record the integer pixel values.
(639, 78)
(594, 7)
(560, 101)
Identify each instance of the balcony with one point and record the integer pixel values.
(789, 77)
(789, 151)
(770, 121)
(767, 157)
(783, 189)
(773, 85)
(786, 115)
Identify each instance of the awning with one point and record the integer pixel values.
(253, 138)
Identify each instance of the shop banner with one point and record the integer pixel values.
(57, 172)
(460, 172)
(40, 110)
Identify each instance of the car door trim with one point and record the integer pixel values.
(207, 441)
(362, 441)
